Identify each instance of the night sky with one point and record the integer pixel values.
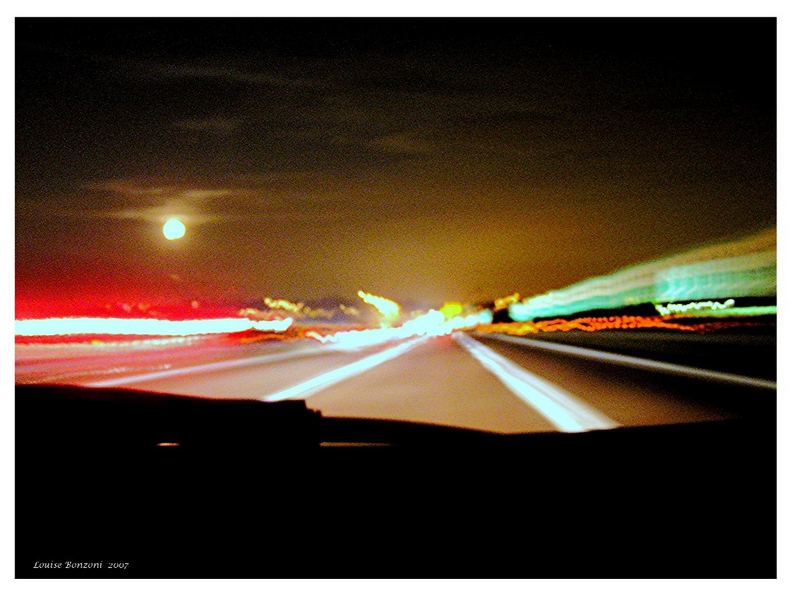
(425, 160)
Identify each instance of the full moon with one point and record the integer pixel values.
(174, 229)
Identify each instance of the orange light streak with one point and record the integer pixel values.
(606, 323)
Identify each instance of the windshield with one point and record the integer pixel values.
(511, 225)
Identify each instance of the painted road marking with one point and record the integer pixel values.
(320, 382)
(636, 362)
(564, 411)
(210, 367)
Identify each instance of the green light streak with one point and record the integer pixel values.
(741, 268)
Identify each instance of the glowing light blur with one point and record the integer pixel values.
(388, 309)
(350, 311)
(287, 305)
(154, 327)
(432, 323)
(451, 309)
(674, 308)
(741, 268)
(735, 311)
(302, 310)
(504, 302)
(174, 229)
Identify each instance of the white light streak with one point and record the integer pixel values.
(117, 326)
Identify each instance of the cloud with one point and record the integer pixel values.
(243, 197)
(231, 73)
(159, 191)
(213, 125)
(126, 187)
(153, 200)
(402, 143)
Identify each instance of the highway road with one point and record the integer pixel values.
(484, 382)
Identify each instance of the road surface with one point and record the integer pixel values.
(482, 382)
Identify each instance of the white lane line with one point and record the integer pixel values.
(566, 412)
(325, 380)
(210, 367)
(637, 363)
